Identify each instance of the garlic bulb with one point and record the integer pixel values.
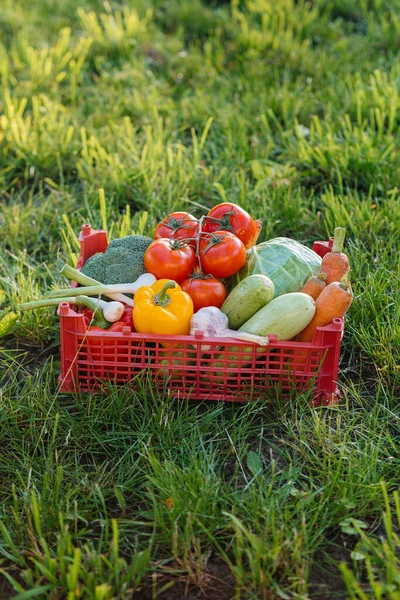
(208, 320)
(214, 323)
(112, 311)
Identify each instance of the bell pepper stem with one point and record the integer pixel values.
(162, 299)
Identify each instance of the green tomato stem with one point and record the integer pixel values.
(199, 234)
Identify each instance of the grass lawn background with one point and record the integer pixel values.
(290, 109)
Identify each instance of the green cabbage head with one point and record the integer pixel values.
(288, 263)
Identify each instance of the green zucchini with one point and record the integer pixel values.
(247, 298)
(284, 316)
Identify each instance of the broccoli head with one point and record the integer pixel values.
(122, 262)
(134, 244)
(94, 267)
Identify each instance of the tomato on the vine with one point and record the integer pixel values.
(204, 291)
(177, 225)
(231, 217)
(170, 259)
(222, 254)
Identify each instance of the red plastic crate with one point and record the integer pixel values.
(230, 370)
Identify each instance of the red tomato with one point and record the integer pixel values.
(222, 254)
(178, 225)
(230, 217)
(205, 291)
(170, 259)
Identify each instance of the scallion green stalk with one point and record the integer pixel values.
(93, 305)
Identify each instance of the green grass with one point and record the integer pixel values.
(292, 110)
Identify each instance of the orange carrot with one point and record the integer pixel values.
(336, 264)
(333, 302)
(314, 286)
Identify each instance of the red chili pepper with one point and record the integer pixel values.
(127, 317)
(115, 328)
(88, 315)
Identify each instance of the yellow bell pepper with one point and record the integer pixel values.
(162, 308)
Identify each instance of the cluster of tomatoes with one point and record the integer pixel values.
(199, 253)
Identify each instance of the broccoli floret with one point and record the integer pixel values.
(134, 244)
(122, 267)
(122, 262)
(94, 267)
